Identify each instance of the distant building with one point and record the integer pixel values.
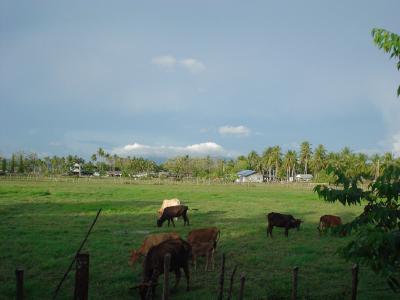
(303, 177)
(76, 169)
(249, 176)
(114, 173)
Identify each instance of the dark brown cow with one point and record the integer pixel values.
(172, 212)
(153, 265)
(327, 221)
(203, 235)
(281, 220)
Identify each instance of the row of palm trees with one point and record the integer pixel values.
(273, 163)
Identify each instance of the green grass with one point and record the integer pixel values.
(43, 223)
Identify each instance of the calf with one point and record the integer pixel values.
(327, 221)
(173, 212)
(281, 220)
(151, 241)
(205, 249)
(168, 203)
(153, 265)
(204, 235)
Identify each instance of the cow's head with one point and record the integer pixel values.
(134, 257)
(144, 289)
(159, 222)
(296, 224)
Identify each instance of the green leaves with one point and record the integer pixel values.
(377, 240)
(390, 43)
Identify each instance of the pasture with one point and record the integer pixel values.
(43, 223)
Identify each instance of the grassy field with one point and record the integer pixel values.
(43, 223)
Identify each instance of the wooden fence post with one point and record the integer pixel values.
(241, 291)
(231, 283)
(294, 282)
(354, 282)
(167, 260)
(19, 273)
(221, 279)
(82, 277)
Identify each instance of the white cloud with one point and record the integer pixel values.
(201, 149)
(234, 130)
(193, 65)
(164, 61)
(169, 61)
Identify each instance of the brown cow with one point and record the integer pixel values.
(281, 220)
(151, 241)
(153, 266)
(328, 221)
(204, 235)
(173, 212)
(205, 249)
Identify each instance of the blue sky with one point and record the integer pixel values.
(164, 78)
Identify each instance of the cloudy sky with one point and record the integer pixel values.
(163, 78)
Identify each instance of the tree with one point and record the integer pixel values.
(390, 43)
(12, 163)
(289, 163)
(305, 155)
(21, 166)
(4, 165)
(319, 159)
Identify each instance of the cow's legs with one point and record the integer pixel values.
(212, 260)
(172, 220)
(177, 278)
(286, 231)
(269, 230)
(168, 222)
(187, 275)
(185, 220)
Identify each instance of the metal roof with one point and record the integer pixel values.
(246, 173)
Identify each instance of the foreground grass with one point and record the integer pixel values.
(42, 224)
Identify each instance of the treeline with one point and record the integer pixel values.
(272, 163)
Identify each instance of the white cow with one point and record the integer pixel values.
(167, 203)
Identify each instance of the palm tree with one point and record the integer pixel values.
(289, 162)
(319, 159)
(305, 155)
(267, 161)
(254, 160)
(276, 158)
(376, 165)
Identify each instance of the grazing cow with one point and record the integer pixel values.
(204, 235)
(281, 220)
(327, 221)
(205, 249)
(151, 241)
(153, 265)
(167, 203)
(173, 212)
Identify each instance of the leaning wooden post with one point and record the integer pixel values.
(354, 282)
(231, 283)
(19, 273)
(241, 291)
(82, 277)
(221, 279)
(167, 260)
(294, 282)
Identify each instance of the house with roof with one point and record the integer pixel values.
(249, 176)
(303, 177)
